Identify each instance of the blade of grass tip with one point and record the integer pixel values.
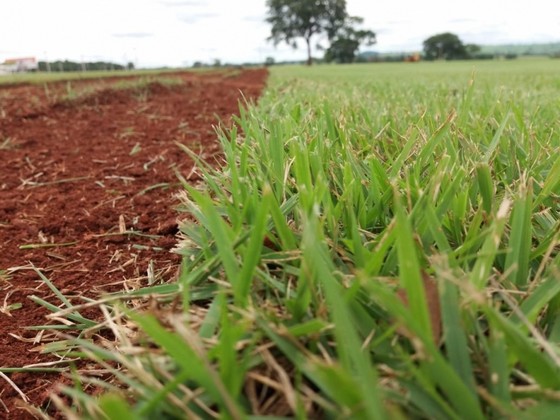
(481, 270)
(252, 253)
(278, 159)
(409, 268)
(192, 278)
(211, 320)
(312, 327)
(303, 176)
(235, 168)
(452, 190)
(44, 303)
(520, 237)
(495, 140)
(53, 288)
(454, 334)
(376, 259)
(221, 234)
(232, 363)
(205, 169)
(436, 230)
(485, 186)
(74, 316)
(403, 156)
(316, 258)
(428, 148)
(551, 317)
(550, 184)
(465, 107)
(540, 296)
(279, 217)
(547, 232)
(159, 290)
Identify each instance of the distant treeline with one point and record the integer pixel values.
(58, 66)
(218, 63)
(551, 49)
(484, 52)
(369, 57)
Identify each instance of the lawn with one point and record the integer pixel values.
(381, 241)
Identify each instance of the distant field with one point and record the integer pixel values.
(380, 241)
(513, 73)
(43, 77)
(533, 49)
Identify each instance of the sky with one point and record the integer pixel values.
(175, 33)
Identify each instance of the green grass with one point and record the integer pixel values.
(346, 189)
(44, 77)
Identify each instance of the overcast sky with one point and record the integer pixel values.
(179, 32)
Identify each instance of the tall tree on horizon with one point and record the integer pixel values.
(446, 46)
(347, 40)
(293, 19)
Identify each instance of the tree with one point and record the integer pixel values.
(472, 49)
(346, 42)
(444, 46)
(293, 19)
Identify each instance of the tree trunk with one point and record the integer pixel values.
(309, 58)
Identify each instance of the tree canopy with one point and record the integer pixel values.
(446, 46)
(294, 19)
(346, 42)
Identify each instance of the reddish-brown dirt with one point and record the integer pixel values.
(81, 163)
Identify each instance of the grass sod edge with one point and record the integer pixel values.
(324, 143)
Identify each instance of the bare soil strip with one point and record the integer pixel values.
(87, 184)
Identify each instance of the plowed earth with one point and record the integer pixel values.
(87, 183)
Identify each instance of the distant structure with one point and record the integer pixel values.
(413, 58)
(17, 65)
(375, 57)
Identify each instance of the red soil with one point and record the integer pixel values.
(77, 163)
